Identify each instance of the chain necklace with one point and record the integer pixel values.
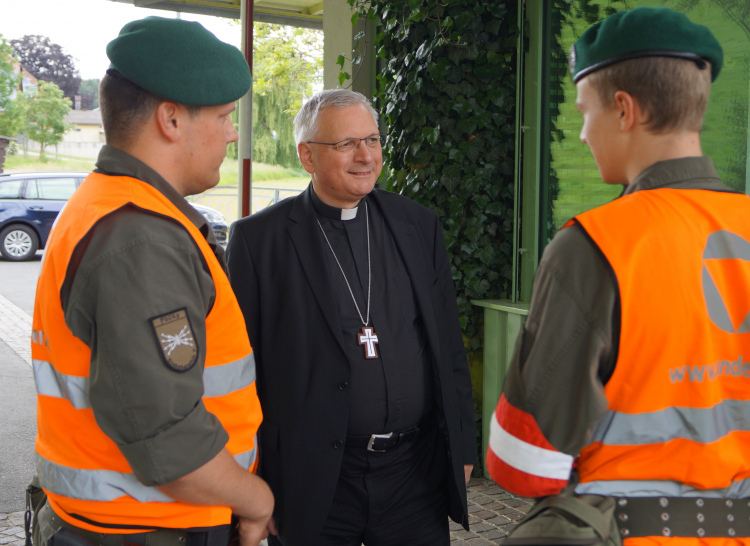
(367, 338)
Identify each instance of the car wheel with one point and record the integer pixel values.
(18, 243)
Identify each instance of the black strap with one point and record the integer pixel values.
(27, 517)
(683, 517)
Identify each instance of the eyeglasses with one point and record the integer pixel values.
(374, 142)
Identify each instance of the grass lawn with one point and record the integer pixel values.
(725, 134)
(17, 162)
(264, 175)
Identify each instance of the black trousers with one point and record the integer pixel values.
(397, 498)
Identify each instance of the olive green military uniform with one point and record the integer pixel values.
(138, 401)
(145, 407)
(133, 263)
(568, 346)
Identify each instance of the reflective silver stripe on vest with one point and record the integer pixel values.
(94, 485)
(217, 381)
(661, 488)
(227, 378)
(246, 460)
(50, 382)
(107, 485)
(703, 425)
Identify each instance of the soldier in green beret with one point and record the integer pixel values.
(147, 407)
(632, 353)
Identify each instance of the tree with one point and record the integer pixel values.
(11, 109)
(287, 63)
(45, 115)
(89, 91)
(47, 61)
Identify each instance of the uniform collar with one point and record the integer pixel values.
(334, 213)
(114, 161)
(693, 172)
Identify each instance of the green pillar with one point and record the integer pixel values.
(502, 324)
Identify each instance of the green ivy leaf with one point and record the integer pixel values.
(463, 18)
(467, 125)
(450, 111)
(340, 61)
(343, 76)
(431, 134)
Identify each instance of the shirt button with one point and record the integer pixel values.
(338, 444)
(343, 386)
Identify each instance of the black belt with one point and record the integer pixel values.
(385, 442)
(683, 517)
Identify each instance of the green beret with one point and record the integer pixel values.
(644, 32)
(180, 61)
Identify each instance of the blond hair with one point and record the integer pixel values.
(672, 92)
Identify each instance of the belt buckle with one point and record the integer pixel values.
(375, 437)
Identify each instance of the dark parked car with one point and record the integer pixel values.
(30, 202)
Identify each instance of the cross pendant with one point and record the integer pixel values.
(369, 338)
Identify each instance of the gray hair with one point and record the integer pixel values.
(306, 120)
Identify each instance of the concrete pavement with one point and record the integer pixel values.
(18, 281)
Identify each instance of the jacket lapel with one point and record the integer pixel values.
(303, 229)
(422, 276)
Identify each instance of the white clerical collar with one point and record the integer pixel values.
(349, 214)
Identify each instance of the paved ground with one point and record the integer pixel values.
(18, 281)
(492, 511)
(11, 529)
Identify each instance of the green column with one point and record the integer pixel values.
(502, 324)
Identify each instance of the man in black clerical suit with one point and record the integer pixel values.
(368, 433)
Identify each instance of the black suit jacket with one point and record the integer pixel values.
(278, 273)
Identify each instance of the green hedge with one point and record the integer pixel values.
(447, 92)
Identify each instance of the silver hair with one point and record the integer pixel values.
(306, 120)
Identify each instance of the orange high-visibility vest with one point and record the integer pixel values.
(678, 422)
(87, 479)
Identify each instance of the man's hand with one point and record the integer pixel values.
(251, 532)
(467, 472)
(222, 482)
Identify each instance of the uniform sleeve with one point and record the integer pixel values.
(137, 267)
(554, 391)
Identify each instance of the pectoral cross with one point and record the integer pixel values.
(369, 338)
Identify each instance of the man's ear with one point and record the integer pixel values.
(304, 151)
(169, 120)
(628, 110)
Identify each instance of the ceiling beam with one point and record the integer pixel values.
(315, 9)
(231, 10)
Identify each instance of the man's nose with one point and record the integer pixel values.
(232, 135)
(363, 152)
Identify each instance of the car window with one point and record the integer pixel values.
(56, 188)
(31, 191)
(10, 189)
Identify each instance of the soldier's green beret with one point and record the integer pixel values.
(180, 61)
(644, 32)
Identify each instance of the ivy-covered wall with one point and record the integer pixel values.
(448, 94)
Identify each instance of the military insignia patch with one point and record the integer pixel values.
(175, 336)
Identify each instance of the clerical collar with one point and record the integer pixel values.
(334, 213)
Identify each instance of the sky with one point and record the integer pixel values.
(84, 27)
